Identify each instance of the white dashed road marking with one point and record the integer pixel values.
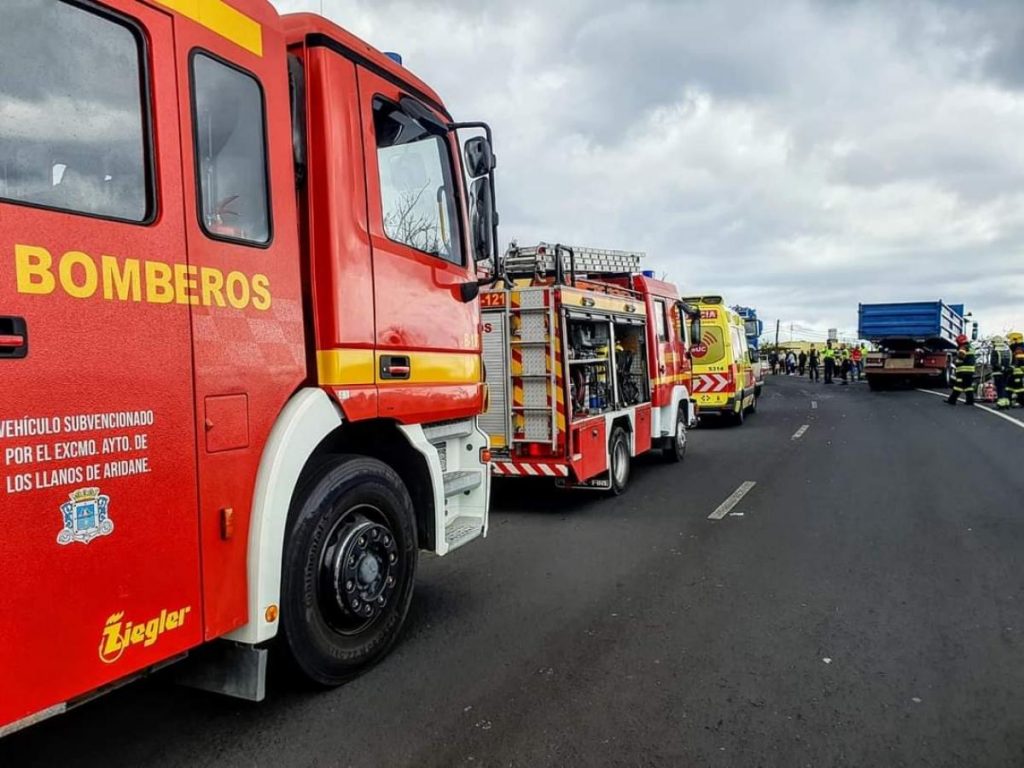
(800, 432)
(814, 405)
(993, 411)
(726, 506)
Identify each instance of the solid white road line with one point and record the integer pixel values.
(993, 411)
(800, 432)
(726, 506)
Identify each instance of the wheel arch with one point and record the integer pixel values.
(311, 426)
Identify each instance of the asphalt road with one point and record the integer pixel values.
(862, 605)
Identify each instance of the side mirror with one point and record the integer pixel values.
(695, 331)
(974, 332)
(469, 291)
(480, 159)
(482, 215)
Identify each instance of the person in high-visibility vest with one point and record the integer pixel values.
(965, 362)
(845, 371)
(1015, 388)
(1001, 362)
(829, 357)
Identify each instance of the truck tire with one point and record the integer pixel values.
(618, 461)
(675, 451)
(753, 405)
(738, 417)
(348, 569)
(948, 377)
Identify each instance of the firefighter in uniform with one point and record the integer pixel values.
(964, 372)
(1001, 362)
(1015, 388)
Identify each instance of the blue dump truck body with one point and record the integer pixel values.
(933, 324)
(915, 341)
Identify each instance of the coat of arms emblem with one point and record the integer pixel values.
(86, 516)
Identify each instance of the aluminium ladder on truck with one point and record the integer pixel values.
(553, 261)
(523, 340)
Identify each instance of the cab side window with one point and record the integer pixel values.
(659, 320)
(231, 154)
(73, 133)
(416, 188)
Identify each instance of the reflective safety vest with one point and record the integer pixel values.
(965, 362)
(828, 353)
(1016, 385)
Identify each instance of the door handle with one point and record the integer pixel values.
(13, 338)
(395, 367)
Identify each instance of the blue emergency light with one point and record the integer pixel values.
(395, 57)
(648, 273)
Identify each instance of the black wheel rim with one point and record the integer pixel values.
(360, 566)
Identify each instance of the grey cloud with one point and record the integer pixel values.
(797, 156)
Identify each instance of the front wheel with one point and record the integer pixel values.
(348, 569)
(753, 406)
(618, 460)
(676, 450)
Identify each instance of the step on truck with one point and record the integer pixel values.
(915, 342)
(239, 344)
(588, 365)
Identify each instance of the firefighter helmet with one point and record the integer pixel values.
(1015, 337)
(961, 340)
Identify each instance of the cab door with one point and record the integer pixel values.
(427, 360)
(98, 559)
(243, 269)
(666, 360)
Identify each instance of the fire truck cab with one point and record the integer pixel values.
(588, 363)
(239, 345)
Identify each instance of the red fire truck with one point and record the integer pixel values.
(239, 343)
(588, 363)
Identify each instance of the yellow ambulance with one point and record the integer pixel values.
(723, 374)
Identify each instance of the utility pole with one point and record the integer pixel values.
(777, 324)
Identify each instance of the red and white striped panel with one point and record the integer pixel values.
(529, 469)
(711, 382)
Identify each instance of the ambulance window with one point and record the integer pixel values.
(659, 320)
(73, 132)
(416, 189)
(231, 152)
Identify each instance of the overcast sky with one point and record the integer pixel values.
(798, 157)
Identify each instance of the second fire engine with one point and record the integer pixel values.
(588, 363)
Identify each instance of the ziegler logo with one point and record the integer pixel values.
(118, 635)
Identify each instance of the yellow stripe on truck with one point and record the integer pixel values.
(437, 367)
(359, 367)
(220, 18)
(345, 367)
